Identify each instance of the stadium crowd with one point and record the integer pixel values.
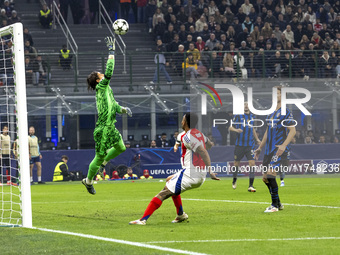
(250, 38)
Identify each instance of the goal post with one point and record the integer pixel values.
(16, 207)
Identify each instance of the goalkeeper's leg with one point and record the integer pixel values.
(112, 153)
(93, 168)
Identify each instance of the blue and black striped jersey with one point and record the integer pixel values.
(246, 138)
(277, 133)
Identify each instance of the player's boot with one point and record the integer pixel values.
(234, 185)
(281, 207)
(101, 172)
(137, 222)
(271, 209)
(89, 187)
(282, 183)
(251, 189)
(180, 218)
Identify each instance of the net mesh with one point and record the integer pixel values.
(10, 195)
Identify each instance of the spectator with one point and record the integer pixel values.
(316, 40)
(200, 23)
(266, 31)
(153, 144)
(127, 144)
(28, 36)
(332, 15)
(115, 176)
(317, 25)
(229, 14)
(289, 34)
(160, 60)
(249, 64)
(159, 28)
(294, 23)
(8, 8)
(224, 23)
(239, 62)
(218, 32)
(181, 16)
(65, 58)
(237, 26)
(299, 138)
(188, 42)
(231, 34)
(328, 42)
(169, 34)
(206, 56)
(326, 68)
(175, 23)
(215, 67)
(299, 14)
(300, 65)
(130, 175)
(173, 139)
(195, 52)
(244, 48)
(177, 59)
(212, 8)
(28, 70)
(14, 18)
(141, 10)
(241, 15)
(164, 7)
(146, 175)
(228, 65)
(163, 142)
(61, 172)
(304, 41)
(190, 66)
(45, 17)
(3, 16)
(246, 7)
(189, 9)
(311, 14)
(173, 45)
(322, 15)
(322, 139)
(335, 139)
(248, 24)
(31, 50)
(308, 140)
(168, 14)
(270, 18)
(149, 13)
(200, 7)
(182, 33)
(41, 70)
(211, 43)
(176, 7)
(200, 44)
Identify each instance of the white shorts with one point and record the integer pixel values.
(182, 181)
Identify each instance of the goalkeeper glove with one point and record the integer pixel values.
(127, 111)
(110, 44)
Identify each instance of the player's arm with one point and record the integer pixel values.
(237, 130)
(206, 159)
(258, 141)
(262, 144)
(208, 144)
(282, 147)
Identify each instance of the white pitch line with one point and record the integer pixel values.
(255, 202)
(143, 245)
(251, 240)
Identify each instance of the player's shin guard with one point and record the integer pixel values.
(274, 191)
(94, 166)
(235, 172)
(178, 203)
(251, 176)
(114, 152)
(153, 206)
(282, 175)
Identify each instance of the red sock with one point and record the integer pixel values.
(153, 206)
(178, 203)
(8, 177)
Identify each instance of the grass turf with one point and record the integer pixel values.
(68, 207)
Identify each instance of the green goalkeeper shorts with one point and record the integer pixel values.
(105, 137)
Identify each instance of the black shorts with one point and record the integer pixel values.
(278, 163)
(5, 160)
(241, 151)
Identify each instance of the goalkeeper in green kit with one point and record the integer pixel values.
(109, 142)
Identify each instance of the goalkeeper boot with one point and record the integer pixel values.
(180, 218)
(89, 187)
(101, 171)
(137, 222)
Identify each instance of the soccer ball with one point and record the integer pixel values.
(120, 26)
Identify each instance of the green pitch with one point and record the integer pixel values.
(226, 221)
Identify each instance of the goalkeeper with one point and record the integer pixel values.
(109, 142)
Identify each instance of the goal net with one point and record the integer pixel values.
(15, 191)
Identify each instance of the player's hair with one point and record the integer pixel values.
(191, 119)
(92, 80)
(64, 157)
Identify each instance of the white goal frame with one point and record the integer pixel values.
(16, 30)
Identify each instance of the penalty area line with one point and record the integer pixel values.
(250, 240)
(137, 244)
(255, 202)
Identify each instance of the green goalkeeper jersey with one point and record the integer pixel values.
(107, 106)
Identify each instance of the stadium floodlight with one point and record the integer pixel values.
(15, 190)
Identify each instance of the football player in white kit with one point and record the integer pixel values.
(195, 162)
